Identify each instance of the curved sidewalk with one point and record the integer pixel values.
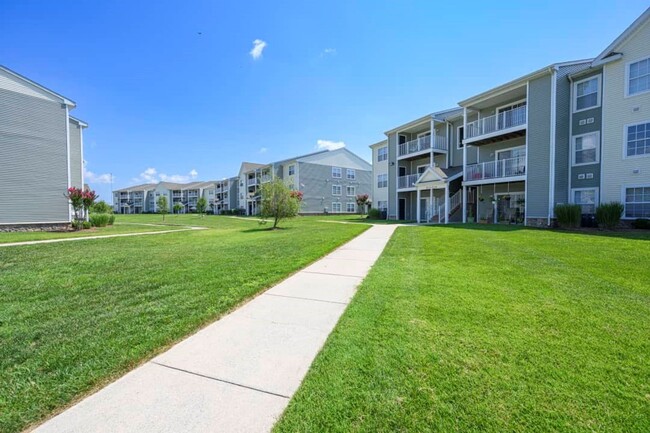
(237, 374)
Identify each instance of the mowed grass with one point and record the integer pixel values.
(489, 329)
(74, 315)
(118, 228)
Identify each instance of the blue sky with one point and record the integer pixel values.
(164, 101)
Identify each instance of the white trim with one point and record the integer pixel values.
(573, 149)
(340, 187)
(510, 105)
(526, 216)
(67, 144)
(354, 191)
(551, 182)
(83, 163)
(574, 94)
(339, 205)
(464, 166)
(341, 172)
(497, 152)
(625, 155)
(572, 198)
(347, 174)
(30, 223)
(354, 210)
(624, 196)
(626, 91)
(386, 158)
(602, 132)
(417, 168)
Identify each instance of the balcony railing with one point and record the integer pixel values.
(251, 181)
(421, 144)
(498, 122)
(266, 178)
(407, 181)
(503, 168)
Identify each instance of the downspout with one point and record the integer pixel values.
(551, 186)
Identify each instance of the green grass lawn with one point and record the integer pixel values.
(96, 231)
(489, 329)
(74, 315)
(351, 218)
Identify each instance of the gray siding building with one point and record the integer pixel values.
(42, 152)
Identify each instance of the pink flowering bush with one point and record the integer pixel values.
(296, 194)
(81, 201)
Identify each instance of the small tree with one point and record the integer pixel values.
(279, 201)
(201, 206)
(163, 209)
(178, 208)
(362, 202)
(101, 207)
(88, 198)
(75, 196)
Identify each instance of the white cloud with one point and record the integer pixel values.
(151, 175)
(328, 52)
(258, 47)
(263, 150)
(329, 145)
(90, 177)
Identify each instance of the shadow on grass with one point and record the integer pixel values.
(266, 229)
(635, 234)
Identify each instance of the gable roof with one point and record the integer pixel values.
(337, 158)
(437, 174)
(16, 75)
(609, 52)
(250, 166)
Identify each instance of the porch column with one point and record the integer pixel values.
(417, 205)
(464, 166)
(430, 204)
(447, 203)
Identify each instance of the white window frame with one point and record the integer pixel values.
(382, 205)
(627, 78)
(593, 188)
(501, 108)
(460, 145)
(574, 103)
(624, 198)
(340, 172)
(382, 181)
(417, 169)
(497, 152)
(350, 171)
(625, 155)
(347, 191)
(338, 204)
(339, 187)
(382, 154)
(574, 139)
(292, 170)
(347, 207)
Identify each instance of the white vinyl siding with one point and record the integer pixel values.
(586, 198)
(337, 172)
(638, 77)
(637, 140)
(586, 149)
(382, 154)
(336, 207)
(336, 189)
(382, 181)
(637, 202)
(586, 94)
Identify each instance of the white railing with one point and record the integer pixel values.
(252, 181)
(498, 122)
(266, 178)
(407, 181)
(496, 169)
(421, 144)
(455, 200)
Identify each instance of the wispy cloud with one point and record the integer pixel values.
(328, 52)
(329, 145)
(151, 175)
(258, 47)
(263, 150)
(90, 177)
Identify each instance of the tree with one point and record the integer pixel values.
(163, 209)
(75, 196)
(201, 205)
(279, 201)
(101, 207)
(362, 202)
(178, 208)
(88, 199)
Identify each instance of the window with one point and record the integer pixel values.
(638, 140)
(382, 154)
(350, 174)
(460, 136)
(382, 181)
(587, 94)
(422, 168)
(292, 170)
(511, 115)
(382, 205)
(350, 191)
(586, 148)
(638, 77)
(351, 207)
(336, 207)
(637, 202)
(586, 198)
(336, 172)
(336, 189)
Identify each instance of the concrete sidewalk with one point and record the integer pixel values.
(237, 374)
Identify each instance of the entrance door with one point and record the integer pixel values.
(424, 210)
(401, 211)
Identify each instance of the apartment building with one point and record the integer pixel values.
(329, 180)
(572, 132)
(42, 151)
(226, 195)
(144, 198)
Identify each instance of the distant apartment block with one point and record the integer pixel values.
(144, 198)
(42, 152)
(571, 132)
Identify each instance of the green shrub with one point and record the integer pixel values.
(101, 207)
(111, 219)
(77, 224)
(374, 214)
(641, 223)
(608, 215)
(568, 215)
(86, 225)
(99, 219)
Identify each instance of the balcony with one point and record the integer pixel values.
(501, 126)
(251, 181)
(266, 178)
(504, 170)
(422, 144)
(408, 181)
